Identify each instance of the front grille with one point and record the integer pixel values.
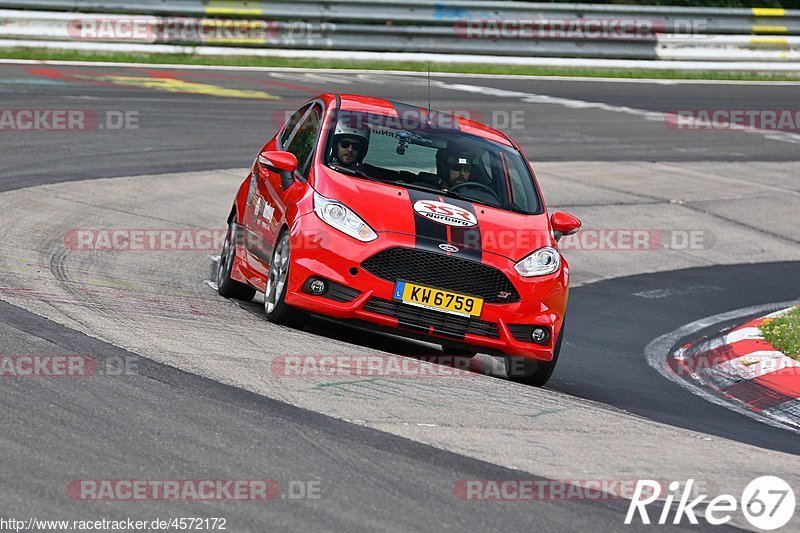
(442, 272)
(419, 319)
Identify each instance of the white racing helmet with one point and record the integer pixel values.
(346, 127)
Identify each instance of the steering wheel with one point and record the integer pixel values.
(475, 185)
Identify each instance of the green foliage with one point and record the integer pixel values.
(251, 61)
(784, 333)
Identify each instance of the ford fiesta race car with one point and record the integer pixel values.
(419, 223)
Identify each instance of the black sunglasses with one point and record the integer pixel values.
(347, 144)
(455, 167)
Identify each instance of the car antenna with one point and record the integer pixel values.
(428, 116)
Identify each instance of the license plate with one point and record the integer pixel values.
(438, 300)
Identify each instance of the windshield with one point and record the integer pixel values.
(433, 155)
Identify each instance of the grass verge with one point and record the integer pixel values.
(189, 59)
(784, 333)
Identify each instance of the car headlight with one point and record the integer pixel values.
(540, 263)
(341, 217)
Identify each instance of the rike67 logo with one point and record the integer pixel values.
(768, 503)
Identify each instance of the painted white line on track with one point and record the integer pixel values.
(745, 368)
(571, 103)
(657, 351)
(179, 66)
(742, 335)
(754, 365)
(791, 409)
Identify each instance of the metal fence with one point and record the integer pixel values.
(438, 12)
(512, 29)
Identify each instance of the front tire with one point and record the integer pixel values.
(227, 286)
(534, 373)
(276, 309)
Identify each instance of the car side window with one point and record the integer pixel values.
(291, 123)
(302, 144)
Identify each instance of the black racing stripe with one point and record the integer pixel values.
(427, 231)
(467, 239)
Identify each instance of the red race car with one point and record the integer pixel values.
(411, 221)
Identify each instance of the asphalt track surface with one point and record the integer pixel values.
(608, 316)
(195, 132)
(55, 431)
(368, 480)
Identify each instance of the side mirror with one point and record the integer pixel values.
(284, 163)
(564, 224)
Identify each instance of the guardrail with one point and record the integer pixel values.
(439, 12)
(511, 29)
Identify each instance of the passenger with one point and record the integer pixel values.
(455, 167)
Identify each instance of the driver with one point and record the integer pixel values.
(455, 168)
(350, 144)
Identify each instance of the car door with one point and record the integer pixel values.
(272, 195)
(258, 241)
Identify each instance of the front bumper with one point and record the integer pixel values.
(317, 250)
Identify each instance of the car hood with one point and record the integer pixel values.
(438, 222)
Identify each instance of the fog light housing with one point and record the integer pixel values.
(540, 335)
(318, 287)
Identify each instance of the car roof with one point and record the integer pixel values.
(369, 104)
